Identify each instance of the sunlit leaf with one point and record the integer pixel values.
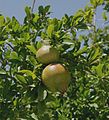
(39, 44)
(2, 72)
(50, 30)
(104, 16)
(94, 54)
(28, 73)
(95, 3)
(34, 116)
(99, 70)
(81, 51)
(31, 48)
(32, 60)
(2, 20)
(28, 11)
(36, 18)
(21, 79)
(1, 42)
(42, 93)
(14, 55)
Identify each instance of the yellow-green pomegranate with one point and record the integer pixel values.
(56, 77)
(47, 54)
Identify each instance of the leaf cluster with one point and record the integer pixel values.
(84, 49)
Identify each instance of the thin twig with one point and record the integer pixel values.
(10, 46)
(33, 6)
(106, 22)
(94, 19)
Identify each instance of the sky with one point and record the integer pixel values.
(58, 7)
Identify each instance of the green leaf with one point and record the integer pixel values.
(47, 8)
(50, 30)
(28, 73)
(21, 79)
(25, 36)
(42, 93)
(93, 2)
(35, 19)
(14, 56)
(2, 72)
(15, 24)
(55, 23)
(28, 11)
(2, 20)
(7, 54)
(39, 44)
(15, 102)
(32, 60)
(41, 107)
(96, 3)
(31, 48)
(81, 51)
(34, 116)
(99, 70)
(94, 54)
(41, 9)
(8, 20)
(104, 16)
(68, 43)
(1, 42)
(100, 2)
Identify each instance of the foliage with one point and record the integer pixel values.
(22, 94)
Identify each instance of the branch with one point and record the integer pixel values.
(94, 20)
(10, 46)
(106, 22)
(33, 5)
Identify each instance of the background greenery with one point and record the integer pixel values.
(22, 94)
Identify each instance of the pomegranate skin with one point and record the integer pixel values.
(56, 77)
(47, 54)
